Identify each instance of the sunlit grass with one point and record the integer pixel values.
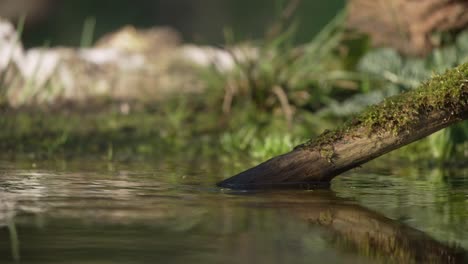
(260, 109)
(282, 75)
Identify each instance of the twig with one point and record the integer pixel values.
(285, 106)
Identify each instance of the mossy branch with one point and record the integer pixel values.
(395, 122)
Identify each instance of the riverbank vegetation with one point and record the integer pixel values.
(263, 107)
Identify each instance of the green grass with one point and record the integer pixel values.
(87, 35)
(284, 76)
(264, 107)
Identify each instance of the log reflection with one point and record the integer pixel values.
(353, 227)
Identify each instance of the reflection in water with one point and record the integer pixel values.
(157, 214)
(15, 253)
(371, 234)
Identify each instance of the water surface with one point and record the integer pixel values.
(87, 211)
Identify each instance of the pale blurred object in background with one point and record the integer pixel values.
(34, 10)
(407, 25)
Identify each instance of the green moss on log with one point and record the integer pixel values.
(446, 92)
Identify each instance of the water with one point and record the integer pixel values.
(87, 211)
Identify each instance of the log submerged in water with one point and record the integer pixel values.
(395, 122)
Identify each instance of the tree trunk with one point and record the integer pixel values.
(395, 122)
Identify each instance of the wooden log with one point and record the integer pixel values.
(395, 122)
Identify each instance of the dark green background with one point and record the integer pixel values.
(200, 21)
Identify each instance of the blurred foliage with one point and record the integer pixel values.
(390, 73)
(146, 131)
(259, 145)
(286, 76)
(199, 21)
(109, 133)
(286, 95)
(269, 103)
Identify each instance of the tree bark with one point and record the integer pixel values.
(395, 122)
